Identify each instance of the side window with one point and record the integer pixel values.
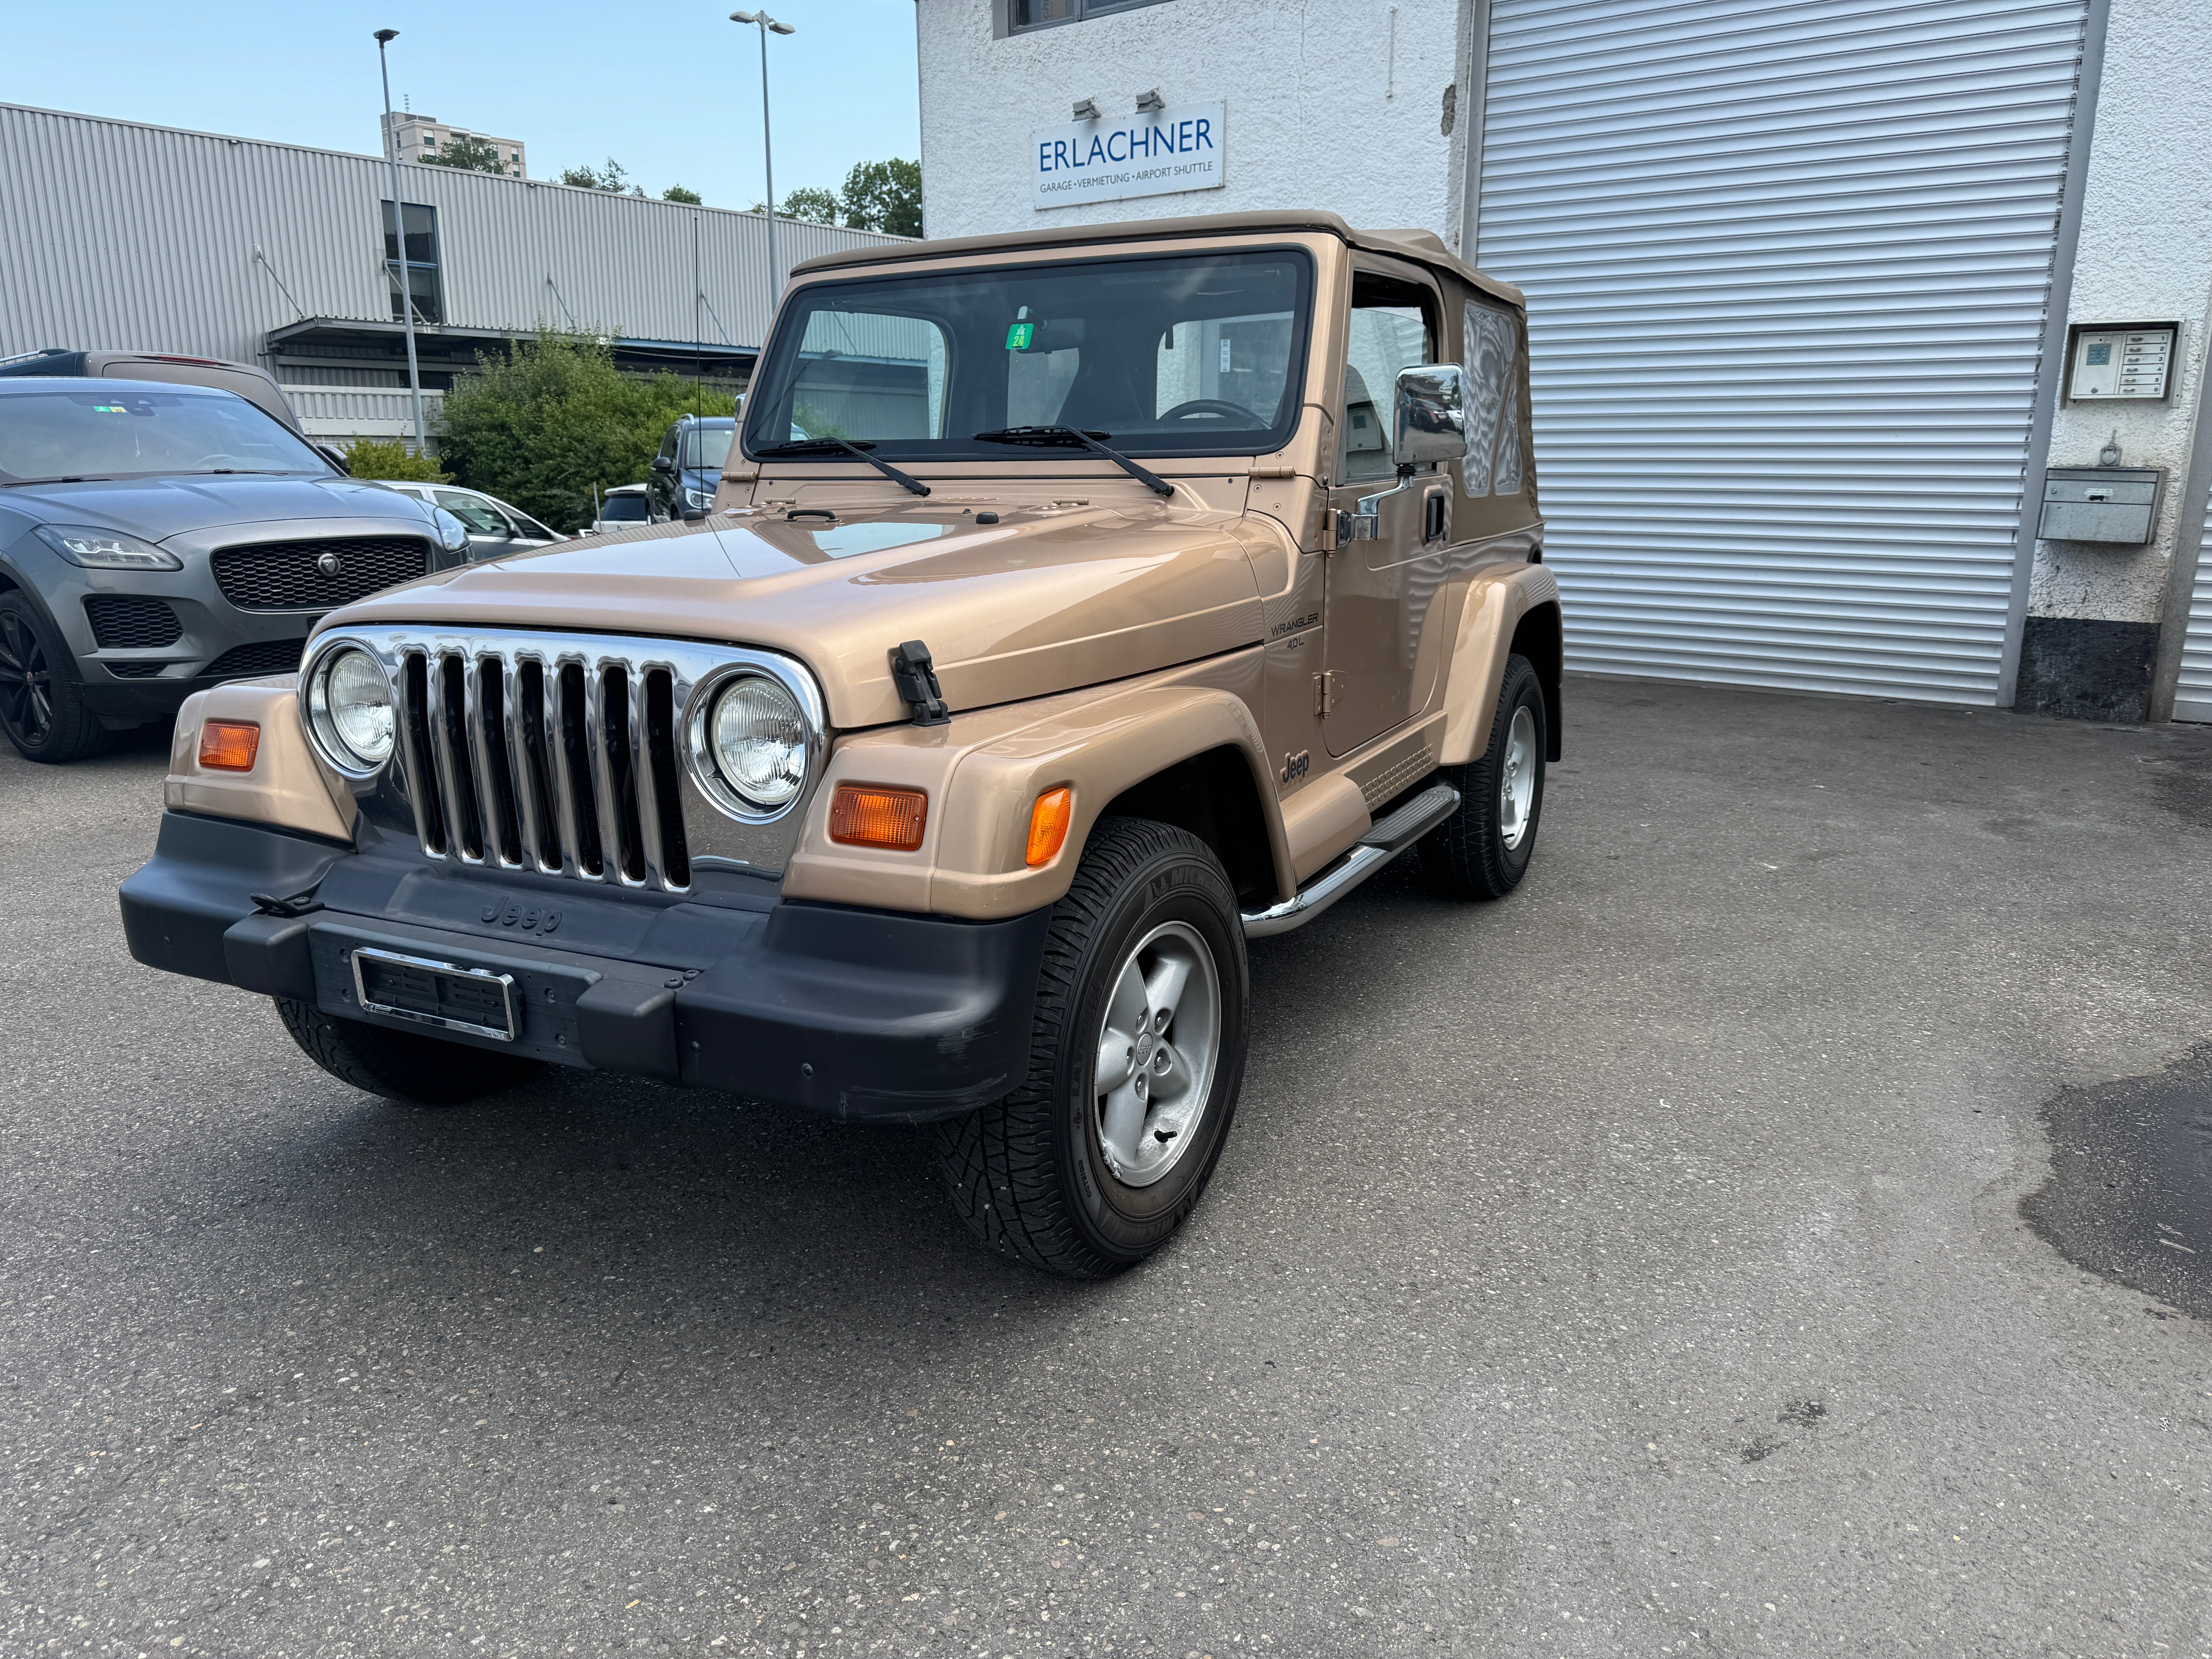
(1389, 331)
(1493, 467)
(417, 274)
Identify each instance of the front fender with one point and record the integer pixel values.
(982, 773)
(1492, 609)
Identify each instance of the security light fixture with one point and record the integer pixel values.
(1086, 109)
(1151, 103)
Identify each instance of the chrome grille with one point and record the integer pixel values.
(567, 755)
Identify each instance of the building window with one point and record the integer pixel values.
(1023, 15)
(421, 262)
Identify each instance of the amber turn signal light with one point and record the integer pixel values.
(868, 815)
(229, 745)
(1049, 820)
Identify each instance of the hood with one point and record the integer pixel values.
(1048, 600)
(158, 508)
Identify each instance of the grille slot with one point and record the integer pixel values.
(124, 622)
(288, 576)
(267, 657)
(567, 755)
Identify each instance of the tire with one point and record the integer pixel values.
(421, 1071)
(1032, 1174)
(1481, 851)
(41, 700)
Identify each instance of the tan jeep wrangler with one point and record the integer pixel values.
(1075, 606)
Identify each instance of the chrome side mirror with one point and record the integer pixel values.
(1430, 414)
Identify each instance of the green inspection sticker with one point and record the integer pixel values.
(109, 409)
(1018, 336)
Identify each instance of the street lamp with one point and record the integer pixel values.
(768, 26)
(384, 37)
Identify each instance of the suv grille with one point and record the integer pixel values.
(559, 767)
(286, 575)
(246, 661)
(123, 623)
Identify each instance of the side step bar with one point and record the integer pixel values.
(1382, 843)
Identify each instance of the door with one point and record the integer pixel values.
(2193, 692)
(1375, 590)
(1788, 264)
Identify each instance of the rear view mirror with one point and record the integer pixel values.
(1430, 415)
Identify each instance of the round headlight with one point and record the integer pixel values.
(351, 703)
(758, 738)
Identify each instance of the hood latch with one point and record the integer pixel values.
(916, 676)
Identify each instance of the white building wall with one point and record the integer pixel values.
(1337, 105)
(2145, 255)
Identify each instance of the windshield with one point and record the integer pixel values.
(706, 448)
(1180, 353)
(88, 431)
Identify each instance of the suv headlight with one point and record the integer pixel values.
(106, 550)
(350, 710)
(757, 739)
(699, 498)
(452, 534)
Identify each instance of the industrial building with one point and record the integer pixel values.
(1867, 336)
(125, 236)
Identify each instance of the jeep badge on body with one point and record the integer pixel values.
(1074, 606)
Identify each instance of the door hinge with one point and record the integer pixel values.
(1325, 690)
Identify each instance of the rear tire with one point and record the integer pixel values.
(1481, 851)
(423, 1071)
(1137, 1054)
(41, 700)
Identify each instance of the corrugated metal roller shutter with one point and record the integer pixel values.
(2192, 693)
(1788, 263)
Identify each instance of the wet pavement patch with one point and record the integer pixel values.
(2130, 1195)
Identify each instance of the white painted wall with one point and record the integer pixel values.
(1321, 111)
(2145, 255)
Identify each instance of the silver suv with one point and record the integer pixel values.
(156, 539)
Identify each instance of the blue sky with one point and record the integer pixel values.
(670, 88)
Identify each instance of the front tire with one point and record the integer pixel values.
(41, 702)
(1137, 1054)
(1482, 851)
(423, 1071)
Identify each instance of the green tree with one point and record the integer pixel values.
(884, 196)
(611, 178)
(469, 153)
(387, 457)
(678, 193)
(538, 425)
(814, 205)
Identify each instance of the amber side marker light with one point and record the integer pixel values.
(1049, 820)
(229, 745)
(865, 815)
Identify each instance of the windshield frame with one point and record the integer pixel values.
(64, 385)
(776, 362)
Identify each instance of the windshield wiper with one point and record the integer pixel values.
(1069, 437)
(74, 478)
(832, 445)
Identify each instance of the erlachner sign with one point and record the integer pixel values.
(1149, 154)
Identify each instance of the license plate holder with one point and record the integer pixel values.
(449, 995)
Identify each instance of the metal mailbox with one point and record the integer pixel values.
(2116, 505)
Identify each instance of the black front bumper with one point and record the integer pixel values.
(868, 1014)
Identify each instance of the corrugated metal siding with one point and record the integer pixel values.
(1788, 263)
(2193, 692)
(118, 235)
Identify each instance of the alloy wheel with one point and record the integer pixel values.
(1516, 778)
(1158, 1044)
(27, 701)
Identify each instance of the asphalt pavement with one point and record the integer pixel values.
(1635, 1266)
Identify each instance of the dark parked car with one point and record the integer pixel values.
(156, 540)
(688, 469)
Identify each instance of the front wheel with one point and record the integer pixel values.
(41, 704)
(1481, 851)
(424, 1071)
(1137, 1054)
